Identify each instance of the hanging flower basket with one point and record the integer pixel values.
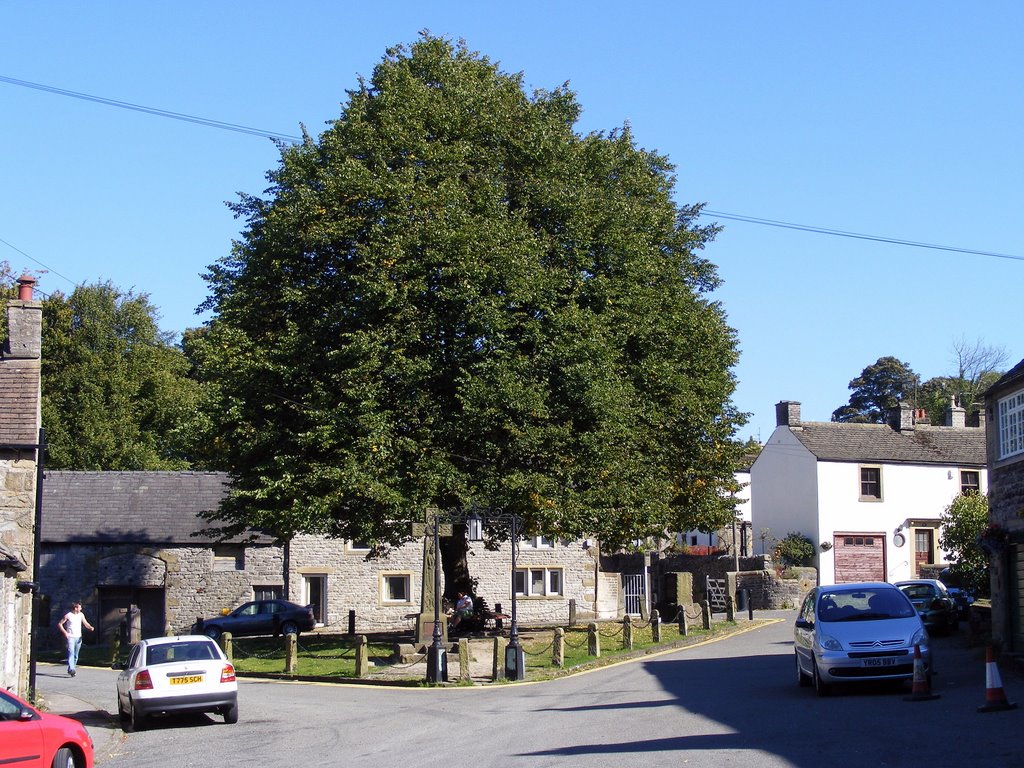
(993, 539)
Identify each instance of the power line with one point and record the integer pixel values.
(154, 111)
(297, 139)
(37, 261)
(855, 235)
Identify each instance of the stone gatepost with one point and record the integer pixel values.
(362, 656)
(465, 673)
(730, 609)
(291, 654)
(593, 640)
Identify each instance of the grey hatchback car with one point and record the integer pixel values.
(855, 632)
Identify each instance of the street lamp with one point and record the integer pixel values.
(437, 658)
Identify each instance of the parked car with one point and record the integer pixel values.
(167, 675)
(31, 738)
(857, 632)
(938, 609)
(259, 617)
(962, 595)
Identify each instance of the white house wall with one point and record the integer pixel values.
(909, 492)
(784, 490)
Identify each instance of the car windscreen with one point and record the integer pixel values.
(189, 650)
(863, 605)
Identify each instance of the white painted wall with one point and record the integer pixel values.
(784, 489)
(909, 492)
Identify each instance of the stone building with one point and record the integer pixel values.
(120, 539)
(1004, 403)
(19, 437)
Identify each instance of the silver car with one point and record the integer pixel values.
(851, 632)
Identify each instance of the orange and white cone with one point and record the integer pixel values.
(995, 698)
(921, 690)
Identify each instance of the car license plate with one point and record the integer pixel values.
(186, 679)
(883, 662)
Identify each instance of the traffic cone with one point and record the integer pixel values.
(995, 698)
(921, 690)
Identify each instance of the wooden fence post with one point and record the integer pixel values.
(227, 646)
(684, 627)
(656, 626)
(558, 654)
(593, 640)
(705, 609)
(465, 673)
(627, 633)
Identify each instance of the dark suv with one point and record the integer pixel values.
(260, 617)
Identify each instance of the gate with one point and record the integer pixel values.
(716, 594)
(634, 593)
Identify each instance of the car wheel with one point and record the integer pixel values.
(121, 713)
(231, 714)
(212, 632)
(820, 686)
(801, 679)
(64, 758)
(289, 628)
(138, 719)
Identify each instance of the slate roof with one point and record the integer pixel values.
(130, 507)
(1011, 377)
(880, 443)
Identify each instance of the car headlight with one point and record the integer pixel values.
(829, 643)
(920, 637)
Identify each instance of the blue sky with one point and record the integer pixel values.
(901, 120)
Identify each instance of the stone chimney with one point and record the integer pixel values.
(956, 416)
(901, 418)
(24, 323)
(976, 418)
(787, 414)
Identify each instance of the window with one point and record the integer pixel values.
(1011, 425)
(538, 582)
(870, 483)
(266, 593)
(357, 546)
(396, 587)
(228, 557)
(970, 481)
(539, 542)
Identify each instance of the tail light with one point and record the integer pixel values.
(227, 674)
(143, 682)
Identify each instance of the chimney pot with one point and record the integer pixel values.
(26, 284)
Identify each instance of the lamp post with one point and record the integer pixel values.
(515, 662)
(437, 657)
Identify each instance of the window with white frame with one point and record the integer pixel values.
(356, 546)
(1011, 425)
(396, 587)
(539, 542)
(538, 582)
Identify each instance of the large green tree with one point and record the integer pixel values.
(452, 298)
(880, 387)
(115, 389)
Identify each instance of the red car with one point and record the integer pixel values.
(33, 739)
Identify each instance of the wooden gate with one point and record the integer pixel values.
(716, 594)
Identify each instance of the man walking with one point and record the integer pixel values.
(71, 626)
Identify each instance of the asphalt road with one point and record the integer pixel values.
(728, 703)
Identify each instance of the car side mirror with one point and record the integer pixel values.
(25, 715)
(804, 624)
(119, 665)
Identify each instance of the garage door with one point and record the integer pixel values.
(859, 557)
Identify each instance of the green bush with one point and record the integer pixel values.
(795, 549)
